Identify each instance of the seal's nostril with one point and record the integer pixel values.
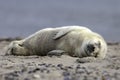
(90, 48)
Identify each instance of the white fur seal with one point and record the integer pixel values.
(72, 40)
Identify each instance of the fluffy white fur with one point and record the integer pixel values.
(73, 40)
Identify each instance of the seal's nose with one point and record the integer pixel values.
(90, 48)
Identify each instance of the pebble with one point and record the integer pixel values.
(66, 73)
(37, 69)
(26, 79)
(34, 70)
(53, 66)
(48, 65)
(43, 64)
(69, 67)
(59, 65)
(67, 78)
(37, 76)
(11, 76)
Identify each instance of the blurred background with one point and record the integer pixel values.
(24, 17)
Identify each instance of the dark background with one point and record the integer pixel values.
(24, 17)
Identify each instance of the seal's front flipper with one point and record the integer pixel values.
(55, 53)
(86, 59)
(65, 30)
(62, 33)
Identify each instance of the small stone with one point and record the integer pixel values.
(52, 65)
(36, 76)
(69, 67)
(59, 65)
(43, 64)
(83, 67)
(80, 71)
(37, 69)
(23, 70)
(67, 78)
(26, 79)
(48, 71)
(48, 65)
(66, 73)
(78, 67)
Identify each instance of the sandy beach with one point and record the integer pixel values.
(59, 68)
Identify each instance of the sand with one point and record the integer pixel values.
(59, 68)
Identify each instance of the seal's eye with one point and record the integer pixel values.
(90, 48)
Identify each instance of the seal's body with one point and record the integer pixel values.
(72, 40)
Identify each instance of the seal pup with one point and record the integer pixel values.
(75, 41)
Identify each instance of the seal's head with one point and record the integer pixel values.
(16, 48)
(92, 47)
